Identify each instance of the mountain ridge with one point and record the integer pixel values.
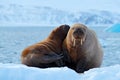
(37, 15)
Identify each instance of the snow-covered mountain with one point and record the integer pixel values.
(13, 14)
(98, 17)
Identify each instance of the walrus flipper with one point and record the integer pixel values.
(51, 57)
(81, 66)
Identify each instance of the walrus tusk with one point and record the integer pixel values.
(73, 42)
(81, 41)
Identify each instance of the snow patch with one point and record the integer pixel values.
(104, 73)
(21, 72)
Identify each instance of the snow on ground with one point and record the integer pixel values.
(104, 73)
(21, 72)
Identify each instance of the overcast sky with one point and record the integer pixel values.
(72, 5)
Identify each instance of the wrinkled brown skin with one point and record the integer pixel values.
(82, 57)
(46, 53)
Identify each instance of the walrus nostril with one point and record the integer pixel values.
(79, 31)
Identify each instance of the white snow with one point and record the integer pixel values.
(114, 28)
(104, 73)
(22, 72)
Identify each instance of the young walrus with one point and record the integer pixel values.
(81, 49)
(46, 53)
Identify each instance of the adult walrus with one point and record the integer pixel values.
(81, 49)
(46, 53)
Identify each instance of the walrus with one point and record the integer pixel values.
(81, 48)
(46, 53)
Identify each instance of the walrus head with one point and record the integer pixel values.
(78, 34)
(60, 32)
